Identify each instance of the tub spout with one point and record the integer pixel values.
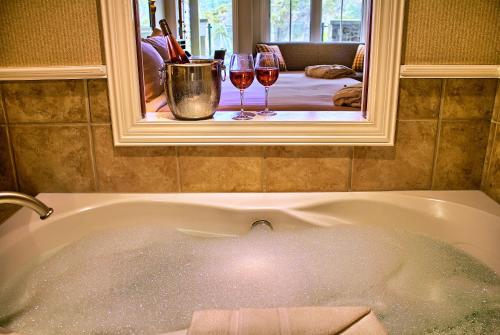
(25, 200)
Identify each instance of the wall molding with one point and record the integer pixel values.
(450, 71)
(53, 72)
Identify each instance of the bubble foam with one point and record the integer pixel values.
(149, 279)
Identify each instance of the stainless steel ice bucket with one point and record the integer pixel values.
(193, 90)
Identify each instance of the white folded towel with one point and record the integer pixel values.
(287, 321)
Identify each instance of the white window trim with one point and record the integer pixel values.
(130, 129)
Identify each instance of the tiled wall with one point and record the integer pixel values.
(59, 137)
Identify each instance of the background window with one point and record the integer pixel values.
(342, 21)
(290, 20)
(208, 26)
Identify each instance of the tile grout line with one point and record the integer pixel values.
(178, 169)
(91, 135)
(417, 120)
(351, 172)
(13, 164)
(493, 140)
(438, 133)
(493, 128)
(447, 120)
(263, 178)
(49, 124)
(10, 146)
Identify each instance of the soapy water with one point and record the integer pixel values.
(150, 279)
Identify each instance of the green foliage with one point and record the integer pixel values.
(280, 19)
(219, 15)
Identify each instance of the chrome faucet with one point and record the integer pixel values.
(25, 200)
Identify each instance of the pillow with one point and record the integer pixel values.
(329, 71)
(359, 59)
(350, 96)
(151, 63)
(275, 50)
(160, 45)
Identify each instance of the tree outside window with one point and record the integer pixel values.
(342, 20)
(290, 20)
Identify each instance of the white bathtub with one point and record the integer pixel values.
(468, 220)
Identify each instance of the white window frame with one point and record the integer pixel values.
(131, 129)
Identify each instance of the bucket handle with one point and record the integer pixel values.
(223, 68)
(163, 74)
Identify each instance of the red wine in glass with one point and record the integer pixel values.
(241, 73)
(267, 70)
(241, 79)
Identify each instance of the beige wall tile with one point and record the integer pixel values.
(469, 98)
(133, 169)
(7, 178)
(53, 158)
(491, 183)
(307, 169)
(406, 166)
(98, 100)
(460, 155)
(220, 169)
(45, 101)
(419, 98)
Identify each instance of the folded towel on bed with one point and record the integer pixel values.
(349, 96)
(287, 321)
(329, 71)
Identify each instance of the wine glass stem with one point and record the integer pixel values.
(266, 110)
(241, 101)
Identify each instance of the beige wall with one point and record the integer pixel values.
(452, 32)
(438, 32)
(55, 136)
(49, 32)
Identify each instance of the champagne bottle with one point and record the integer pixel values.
(175, 51)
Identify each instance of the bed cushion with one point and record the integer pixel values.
(350, 96)
(152, 63)
(359, 59)
(160, 45)
(329, 71)
(275, 50)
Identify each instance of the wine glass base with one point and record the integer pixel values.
(267, 113)
(244, 116)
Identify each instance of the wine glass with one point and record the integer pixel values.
(267, 70)
(241, 73)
